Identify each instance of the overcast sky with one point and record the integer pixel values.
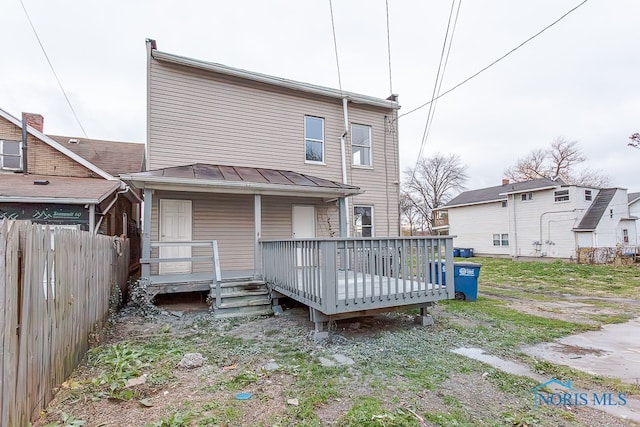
(580, 79)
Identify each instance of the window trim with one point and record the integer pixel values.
(322, 141)
(561, 198)
(373, 222)
(588, 195)
(525, 197)
(370, 146)
(3, 155)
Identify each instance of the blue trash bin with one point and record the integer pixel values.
(456, 252)
(465, 278)
(466, 252)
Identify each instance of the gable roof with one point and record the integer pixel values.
(500, 192)
(111, 156)
(237, 179)
(633, 197)
(271, 80)
(44, 138)
(593, 215)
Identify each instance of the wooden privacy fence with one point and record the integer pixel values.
(55, 290)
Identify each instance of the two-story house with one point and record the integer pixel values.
(245, 158)
(539, 218)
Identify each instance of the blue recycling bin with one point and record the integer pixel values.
(466, 252)
(465, 279)
(456, 252)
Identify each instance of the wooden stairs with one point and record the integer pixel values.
(240, 298)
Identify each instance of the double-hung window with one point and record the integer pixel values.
(360, 145)
(561, 195)
(10, 155)
(363, 221)
(500, 240)
(587, 195)
(314, 139)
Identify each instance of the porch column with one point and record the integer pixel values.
(92, 218)
(146, 230)
(343, 229)
(257, 225)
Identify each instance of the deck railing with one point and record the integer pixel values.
(339, 275)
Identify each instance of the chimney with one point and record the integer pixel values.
(36, 121)
(505, 181)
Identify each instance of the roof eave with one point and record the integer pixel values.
(483, 202)
(272, 80)
(550, 187)
(207, 185)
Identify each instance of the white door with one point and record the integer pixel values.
(304, 222)
(303, 227)
(175, 226)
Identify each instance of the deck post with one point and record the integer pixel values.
(146, 231)
(448, 262)
(328, 276)
(257, 226)
(342, 217)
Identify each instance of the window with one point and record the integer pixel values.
(503, 203)
(527, 196)
(10, 155)
(362, 221)
(314, 139)
(625, 235)
(587, 195)
(561, 195)
(361, 145)
(500, 240)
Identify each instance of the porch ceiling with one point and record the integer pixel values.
(236, 179)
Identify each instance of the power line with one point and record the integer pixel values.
(494, 62)
(436, 89)
(52, 69)
(335, 45)
(389, 48)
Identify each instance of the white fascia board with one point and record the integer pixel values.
(238, 187)
(530, 190)
(73, 156)
(484, 202)
(64, 200)
(273, 80)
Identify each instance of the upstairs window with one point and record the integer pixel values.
(314, 139)
(361, 145)
(503, 203)
(10, 155)
(587, 195)
(363, 221)
(527, 196)
(561, 195)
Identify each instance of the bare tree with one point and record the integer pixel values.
(410, 214)
(635, 140)
(560, 160)
(433, 182)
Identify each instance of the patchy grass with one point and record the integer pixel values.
(561, 277)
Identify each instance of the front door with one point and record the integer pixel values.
(175, 226)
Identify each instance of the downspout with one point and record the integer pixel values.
(344, 161)
(151, 46)
(108, 208)
(25, 160)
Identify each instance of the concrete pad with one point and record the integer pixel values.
(613, 351)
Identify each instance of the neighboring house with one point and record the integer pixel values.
(229, 147)
(538, 218)
(50, 179)
(634, 210)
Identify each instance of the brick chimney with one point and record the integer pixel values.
(36, 121)
(505, 181)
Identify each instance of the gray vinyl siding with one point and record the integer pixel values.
(200, 117)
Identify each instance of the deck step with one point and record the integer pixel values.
(240, 298)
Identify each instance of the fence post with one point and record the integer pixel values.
(329, 282)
